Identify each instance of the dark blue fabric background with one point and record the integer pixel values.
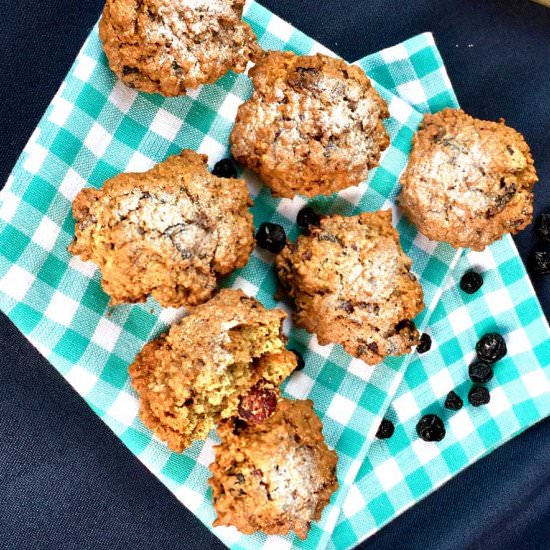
(67, 482)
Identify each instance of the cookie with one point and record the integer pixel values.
(203, 369)
(160, 46)
(351, 284)
(468, 181)
(273, 477)
(312, 126)
(171, 232)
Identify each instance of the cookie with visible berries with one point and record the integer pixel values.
(352, 285)
(313, 126)
(172, 232)
(160, 46)
(468, 181)
(226, 358)
(276, 476)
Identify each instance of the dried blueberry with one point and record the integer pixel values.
(127, 70)
(542, 226)
(471, 282)
(480, 372)
(491, 348)
(478, 396)
(540, 263)
(306, 217)
(454, 401)
(271, 236)
(430, 428)
(385, 430)
(425, 343)
(225, 168)
(300, 363)
(405, 324)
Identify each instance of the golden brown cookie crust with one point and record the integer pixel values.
(160, 46)
(171, 232)
(312, 126)
(351, 284)
(273, 477)
(197, 373)
(468, 181)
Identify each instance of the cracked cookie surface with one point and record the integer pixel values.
(351, 284)
(171, 232)
(276, 476)
(204, 368)
(160, 46)
(312, 126)
(468, 181)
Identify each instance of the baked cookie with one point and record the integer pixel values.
(203, 369)
(351, 284)
(166, 47)
(170, 232)
(276, 476)
(468, 181)
(312, 126)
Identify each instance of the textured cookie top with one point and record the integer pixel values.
(352, 285)
(312, 126)
(168, 46)
(273, 477)
(468, 181)
(169, 232)
(198, 373)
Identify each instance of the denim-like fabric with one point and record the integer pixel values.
(67, 482)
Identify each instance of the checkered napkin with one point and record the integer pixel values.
(96, 128)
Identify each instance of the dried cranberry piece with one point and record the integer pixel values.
(259, 403)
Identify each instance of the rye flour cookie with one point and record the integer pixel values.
(312, 126)
(468, 181)
(276, 476)
(226, 358)
(171, 232)
(351, 284)
(166, 47)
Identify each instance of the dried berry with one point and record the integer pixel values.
(259, 403)
(540, 263)
(542, 226)
(471, 282)
(127, 70)
(425, 343)
(385, 430)
(491, 348)
(478, 396)
(480, 372)
(454, 401)
(225, 168)
(430, 428)
(271, 236)
(405, 324)
(300, 363)
(306, 217)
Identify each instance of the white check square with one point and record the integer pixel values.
(388, 474)
(165, 124)
(341, 409)
(61, 309)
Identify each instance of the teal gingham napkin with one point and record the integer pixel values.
(95, 128)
